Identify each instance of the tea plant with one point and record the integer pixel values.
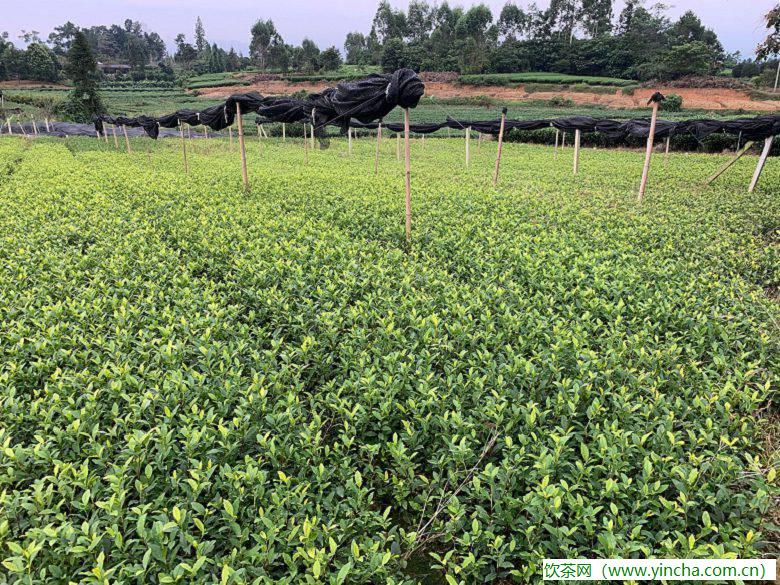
(203, 385)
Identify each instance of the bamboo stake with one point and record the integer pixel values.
(557, 139)
(35, 126)
(284, 132)
(423, 141)
(306, 143)
(761, 163)
(666, 150)
(313, 122)
(500, 147)
(241, 146)
(378, 142)
(10, 130)
(127, 139)
(577, 139)
(655, 100)
(479, 143)
(398, 146)
(468, 146)
(189, 132)
(183, 148)
(729, 164)
(116, 140)
(408, 177)
(349, 138)
(46, 121)
(206, 128)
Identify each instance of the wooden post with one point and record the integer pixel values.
(761, 163)
(500, 147)
(557, 139)
(116, 140)
(35, 126)
(408, 176)
(479, 143)
(378, 142)
(46, 121)
(284, 132)
(729, 164)
(656, 99)
(189, 132)
(127, 139)
(468, 146)
(398, 146)
(183, 148)
(666, 150)
(10, 130)
(349, 139)
(206, 128)
(577, 139)
(244, 174)
(423, 141)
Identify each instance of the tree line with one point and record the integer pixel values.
(582, 37)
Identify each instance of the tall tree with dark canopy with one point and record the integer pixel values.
(264, 35)
(200, 37)
(771, 45)
(84, 101)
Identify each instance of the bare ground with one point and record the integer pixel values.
(704, 99)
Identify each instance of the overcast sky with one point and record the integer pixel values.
(738, 22)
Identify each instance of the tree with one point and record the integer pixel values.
(694, 58)
(137, 53)
(41, 63)
(309, 56)
(512, 22)
(264, 35)
(200, 36)
(155, 46)
(61, 38)
(771, 45)
(419, 20)
(472, 30)
(185, 52)
(84, 101)
(596, 17)
(330, 59)
(388, 23)
(233, 61)
(356, 48)
(393, 55)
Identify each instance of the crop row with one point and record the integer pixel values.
(201, 384)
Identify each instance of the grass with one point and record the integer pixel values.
(204, 384)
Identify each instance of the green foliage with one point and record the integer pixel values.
(84, 101)
(672, 103)
(330, 59)
(41, 63)
(207, 386)
(539, 77)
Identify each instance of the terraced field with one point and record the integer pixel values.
(201, 385)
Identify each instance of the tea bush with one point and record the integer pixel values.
(203, 385)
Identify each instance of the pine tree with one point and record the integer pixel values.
(200, 36)
(84, 101)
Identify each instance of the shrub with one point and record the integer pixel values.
(672, 103)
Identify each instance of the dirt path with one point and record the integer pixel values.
(703, 99)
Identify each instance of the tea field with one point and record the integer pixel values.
(204, 385)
